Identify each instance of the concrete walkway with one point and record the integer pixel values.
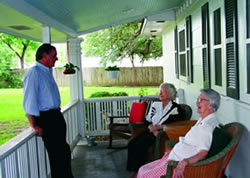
(99, 161)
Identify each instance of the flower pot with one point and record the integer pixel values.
(91, 141)
(113, 74)
(69, 71)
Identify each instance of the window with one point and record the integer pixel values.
(183, 52)
(231, 48)
(205, 45)
(217, 47)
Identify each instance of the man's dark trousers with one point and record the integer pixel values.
(54, 137)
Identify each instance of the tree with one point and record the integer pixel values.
(121, 41)
(21, 47)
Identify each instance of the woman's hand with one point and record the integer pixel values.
(150, 127)
(179, 170)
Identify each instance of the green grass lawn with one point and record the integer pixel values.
(12, 116)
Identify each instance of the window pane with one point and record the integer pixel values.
(175, 39)
(183, 64)
(248, 18)
(218, 69)
(217, 27)
(188, 30)
(182, 40)
(176, 65)
(248, 68)
(204, 22)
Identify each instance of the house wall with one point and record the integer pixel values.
(231, 110)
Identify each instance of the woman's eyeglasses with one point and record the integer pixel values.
(199, 100)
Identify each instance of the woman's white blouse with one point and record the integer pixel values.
(198, 138)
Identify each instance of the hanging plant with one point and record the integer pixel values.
(69, 68)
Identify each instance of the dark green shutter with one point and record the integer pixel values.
(205, 46)
(176, 53)
(231, 48)
(189, 47)
(248, 68)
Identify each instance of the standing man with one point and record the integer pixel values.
(41, 103)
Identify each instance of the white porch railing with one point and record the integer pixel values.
(97, 111)
(25, 156)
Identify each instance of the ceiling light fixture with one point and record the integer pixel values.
(128, 11)
(20, 27)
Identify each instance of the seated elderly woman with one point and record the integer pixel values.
(196, 143)
(160, 113)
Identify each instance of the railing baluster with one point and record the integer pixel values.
(98, 117)
(2, 169)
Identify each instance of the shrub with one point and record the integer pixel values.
(143, 92)
(100, 94)
(107, 94)
(120, 94)
(10, 79)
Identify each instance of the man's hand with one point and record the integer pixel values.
(179, 170)
(38, 130)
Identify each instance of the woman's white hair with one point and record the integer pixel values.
(171, 89)
(213, 97)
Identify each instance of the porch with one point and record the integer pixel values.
(98, 161)
(25, 156)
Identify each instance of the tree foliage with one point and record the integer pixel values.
(121, 41)
(14, 50)
(20, 47)
(8, 78)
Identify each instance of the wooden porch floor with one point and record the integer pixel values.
(99, 161)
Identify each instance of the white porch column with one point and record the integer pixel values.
(76, 80)
(46, 34)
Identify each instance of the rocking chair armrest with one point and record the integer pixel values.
(112, 118)
(177, 129)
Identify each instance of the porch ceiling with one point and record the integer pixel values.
(76, 17)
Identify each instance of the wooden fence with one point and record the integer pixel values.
(139, 76)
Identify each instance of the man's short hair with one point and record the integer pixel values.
(44, 48)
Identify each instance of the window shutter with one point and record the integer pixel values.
(248, 68)
(205, 46)
(176, 53)
(231, 48)
(189, 48)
